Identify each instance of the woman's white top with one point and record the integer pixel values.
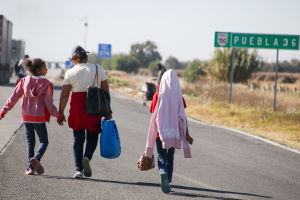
(81, 76)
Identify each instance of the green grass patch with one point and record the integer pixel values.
(117, 81)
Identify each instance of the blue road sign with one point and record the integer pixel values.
(69, 64)
(104, 50)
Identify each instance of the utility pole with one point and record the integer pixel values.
(85, 24)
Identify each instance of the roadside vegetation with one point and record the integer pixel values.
(250, 111)
(206, 84)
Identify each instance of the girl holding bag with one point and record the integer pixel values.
(168, 127)
(85, 127)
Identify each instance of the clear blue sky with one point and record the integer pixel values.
(183, 29)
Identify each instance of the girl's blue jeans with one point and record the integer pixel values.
(165, 159)
(41, 131)
(91, 143)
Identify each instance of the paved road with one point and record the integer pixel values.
(225, 165)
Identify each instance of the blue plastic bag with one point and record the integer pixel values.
(110, 145)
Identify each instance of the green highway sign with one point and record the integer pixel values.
(249, 40)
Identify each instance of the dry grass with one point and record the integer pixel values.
(250, 111)
(284, 80)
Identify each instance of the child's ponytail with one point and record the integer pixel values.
(28, 64)
(34, 65)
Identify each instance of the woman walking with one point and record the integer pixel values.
(168, 127)
(85, 127)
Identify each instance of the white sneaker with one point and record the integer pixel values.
(78, 174)
(87, 170)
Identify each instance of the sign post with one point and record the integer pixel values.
(231, 78)
(275, 89)
(104, 51)
(261, 41)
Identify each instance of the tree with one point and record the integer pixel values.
(193, 70)
(284, 66)
(145, 53)
(185, 64)
(93, 58)
(244, 65)
(173, 63)
(152, 66)
(122, 62)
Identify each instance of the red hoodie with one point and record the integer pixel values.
(37, 102)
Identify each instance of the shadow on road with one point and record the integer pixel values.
(57, 87)
(8, 85)
(173, 186)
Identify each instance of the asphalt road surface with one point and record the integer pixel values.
(224, 165)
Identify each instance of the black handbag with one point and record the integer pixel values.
(97, 100)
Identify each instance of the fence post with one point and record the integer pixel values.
(263, 88)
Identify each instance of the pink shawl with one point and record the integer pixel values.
(168, 118)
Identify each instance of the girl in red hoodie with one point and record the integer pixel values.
(37, 106)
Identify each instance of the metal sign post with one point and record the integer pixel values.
(252, 40)
(275, 89)
(231, 79)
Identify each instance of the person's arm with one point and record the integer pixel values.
(188, 137)
(21, 65)
(13, 99)
(104, 86)
(64, 97)
(48, 100)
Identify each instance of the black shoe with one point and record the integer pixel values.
(144, 104)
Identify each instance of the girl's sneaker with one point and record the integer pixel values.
(30, 171)
(165, 187)
(37, 165)
(78, 174)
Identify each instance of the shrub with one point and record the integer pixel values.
(193, 70)
(244, 65)
(152, 66)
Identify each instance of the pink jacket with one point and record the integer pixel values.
(37, 102)
(168, 118)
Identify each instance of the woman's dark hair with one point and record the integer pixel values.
(34, 65)
(79, 57)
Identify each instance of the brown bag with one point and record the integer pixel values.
(145, 163)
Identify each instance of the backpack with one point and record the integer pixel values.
(151, 88)
(17, 68)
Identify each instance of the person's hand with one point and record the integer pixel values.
(61, 121)
(189, 139)
(2, 115)
(108, 117)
